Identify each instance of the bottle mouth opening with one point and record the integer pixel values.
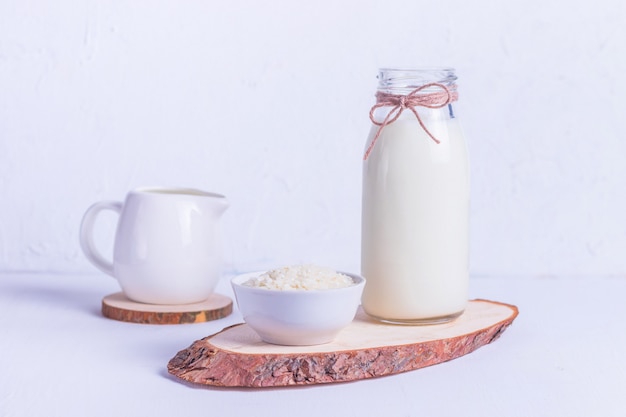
(398, 79)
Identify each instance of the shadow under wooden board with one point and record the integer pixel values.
(237, 357)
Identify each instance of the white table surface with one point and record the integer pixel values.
(563, 356)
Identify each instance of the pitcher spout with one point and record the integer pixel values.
(217, 202)
(221, 204)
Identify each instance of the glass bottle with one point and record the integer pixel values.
(415, 208)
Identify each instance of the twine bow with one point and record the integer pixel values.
(399, 103)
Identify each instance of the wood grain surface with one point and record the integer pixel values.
(236, 356)
(118, 307)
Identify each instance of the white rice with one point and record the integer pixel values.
(300, 278)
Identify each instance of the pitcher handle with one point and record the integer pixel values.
(86, 234)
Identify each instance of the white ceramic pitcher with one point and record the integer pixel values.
(167, 245)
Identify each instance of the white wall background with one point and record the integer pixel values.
(267, 102)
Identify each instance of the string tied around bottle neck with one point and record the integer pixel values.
(400, 103)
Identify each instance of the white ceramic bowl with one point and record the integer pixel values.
(297, 317)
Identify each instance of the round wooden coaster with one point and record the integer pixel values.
(119, 307)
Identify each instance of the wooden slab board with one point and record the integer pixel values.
(237, 357)
(119, 307)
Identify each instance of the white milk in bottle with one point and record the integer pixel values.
(415, 210)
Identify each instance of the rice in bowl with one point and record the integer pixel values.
(300, 278)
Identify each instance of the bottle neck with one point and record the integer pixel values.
(423, 93)
(404, 81)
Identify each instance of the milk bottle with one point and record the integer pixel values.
(415, 207)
